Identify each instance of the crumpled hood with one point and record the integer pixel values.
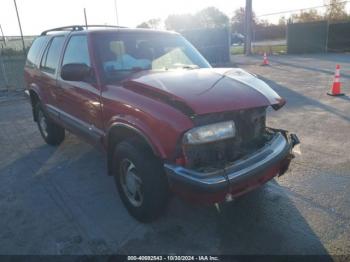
(206, 90)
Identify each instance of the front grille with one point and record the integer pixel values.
(250, 136)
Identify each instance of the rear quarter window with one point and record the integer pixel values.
(35, 50)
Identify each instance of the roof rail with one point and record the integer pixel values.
(107, 26)
(64, 28)
(78, 28)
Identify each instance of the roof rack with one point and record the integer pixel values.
(78, 28)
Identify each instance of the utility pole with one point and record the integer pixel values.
(86, 23)
(3, 37)
(248, 27)
(20, 27)
(116, 11)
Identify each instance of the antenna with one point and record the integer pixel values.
(86, 23)
(116, 11)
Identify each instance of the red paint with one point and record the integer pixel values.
(103, 105)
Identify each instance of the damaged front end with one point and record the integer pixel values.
(250, 135)
(248, 156)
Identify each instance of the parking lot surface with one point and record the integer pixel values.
(59, 200)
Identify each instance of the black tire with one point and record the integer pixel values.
(153, 186)
(52, 133)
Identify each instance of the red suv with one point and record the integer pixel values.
(166, 119)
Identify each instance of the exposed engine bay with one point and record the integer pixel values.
(251, 134)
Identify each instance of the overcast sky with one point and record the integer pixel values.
(38, 15)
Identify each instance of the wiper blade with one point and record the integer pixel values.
(186, 66)
(180, 66)
(134, 69)
(190, 67)
(138, 69)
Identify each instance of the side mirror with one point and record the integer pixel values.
(75, 72)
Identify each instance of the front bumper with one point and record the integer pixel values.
(239, 177)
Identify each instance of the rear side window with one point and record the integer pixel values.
(77, 51)
(51, 56)
(33, 54)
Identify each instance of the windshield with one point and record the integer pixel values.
(121, 54)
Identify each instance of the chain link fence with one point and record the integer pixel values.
(318, 37)
(212, 43)
(12, 60)
(271, 39)
(11, 73)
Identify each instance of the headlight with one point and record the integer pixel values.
(210, 133)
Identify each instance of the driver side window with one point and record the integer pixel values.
(77, 51)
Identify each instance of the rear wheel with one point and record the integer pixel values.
(140, 180)
(52, 133)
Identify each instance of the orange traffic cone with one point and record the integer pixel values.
(336, 87)
(265, 61)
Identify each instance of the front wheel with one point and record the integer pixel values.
(140, 180)
(52, 133)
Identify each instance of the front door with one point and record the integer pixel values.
(80, 99)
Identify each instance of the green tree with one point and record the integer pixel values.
(180, 22)
(336, 10)
(143, 25)
(238, 20)
(264, 23)
(282, 20)
(307, 16)
(153, 23)
(211, 17)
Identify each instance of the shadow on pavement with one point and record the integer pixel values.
(266, 222)
(347, 98)
(28, 164)
(333, 57)
(329, 72)
(295, 99)
(298, 64)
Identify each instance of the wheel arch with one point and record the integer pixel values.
(117, 133)
(34, 99)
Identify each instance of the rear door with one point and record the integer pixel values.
(48, 71)
(31, 69)
(81, 99)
